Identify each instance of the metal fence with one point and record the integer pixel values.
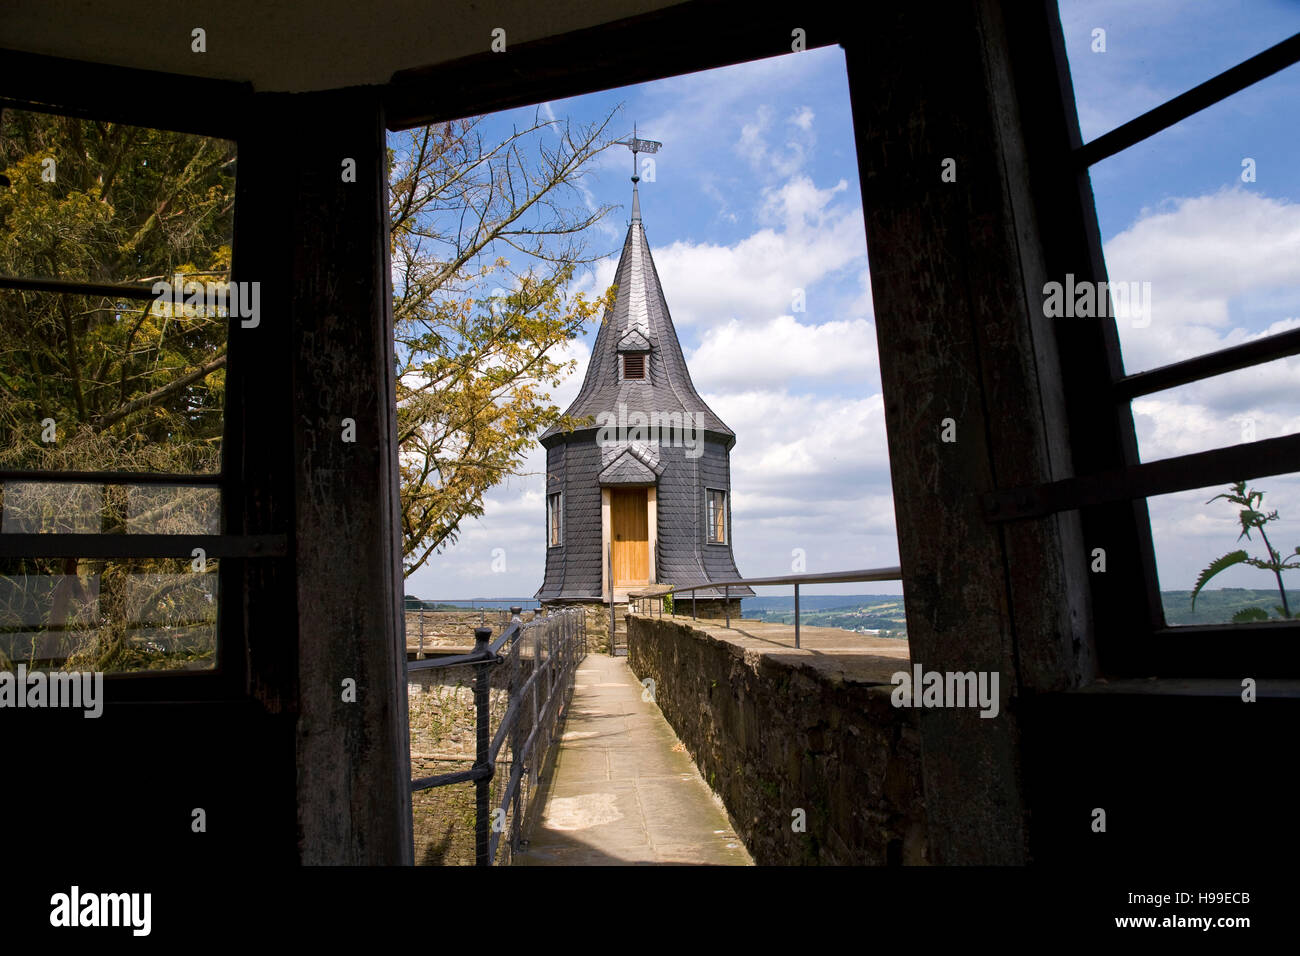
(531, 668)
(643, 601)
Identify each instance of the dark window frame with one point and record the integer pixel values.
(1133, 637)
(148, 99)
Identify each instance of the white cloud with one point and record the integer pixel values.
(1202, 256)
(803, 118)
(782, 350)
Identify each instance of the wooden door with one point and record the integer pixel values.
(631, 533)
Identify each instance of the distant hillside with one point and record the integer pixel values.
(884, 612)
(881, 613)
(1217, 606)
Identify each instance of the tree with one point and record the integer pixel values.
(128, 385)
(473, 369)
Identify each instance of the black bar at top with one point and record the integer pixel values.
(1213, 90)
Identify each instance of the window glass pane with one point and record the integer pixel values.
(1213, 260)
(1250, 404)
(108, 615)
(93, 384)
(43, 507)
(103, 202)
(1155, 51)
(1191, 532)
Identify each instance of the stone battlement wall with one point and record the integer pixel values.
(772, 736)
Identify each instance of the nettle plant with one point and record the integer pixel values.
(1251, 518)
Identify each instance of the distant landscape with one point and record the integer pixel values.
(882, 614)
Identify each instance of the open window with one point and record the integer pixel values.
(1195, 370)
(115, 295)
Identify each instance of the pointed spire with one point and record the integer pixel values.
(638, 321)
(638, 146)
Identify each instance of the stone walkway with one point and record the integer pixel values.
(623, 789)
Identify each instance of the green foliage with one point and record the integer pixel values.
(668, 604)
(474, 370)
(130, 385)
(1252, 519)
(1214, 567)
(1250, 614)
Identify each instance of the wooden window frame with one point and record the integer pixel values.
(1110, 494)
(712, 517)
(150, 100)
(555, 519)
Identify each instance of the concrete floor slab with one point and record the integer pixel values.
(623, 790)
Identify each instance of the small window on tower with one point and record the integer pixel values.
(717, 517)
(553, 520)
(634, 365)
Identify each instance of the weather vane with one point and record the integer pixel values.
(639, 146)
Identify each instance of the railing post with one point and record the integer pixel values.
(537, 684)
(726, 602)
(796, 614)
(482, 742)
(693, 615)
(420, 656)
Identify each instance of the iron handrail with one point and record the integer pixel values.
(564, 632)
(827, 577)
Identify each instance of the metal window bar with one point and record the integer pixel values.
(828, 577)
(558, 644)
(1214, 90)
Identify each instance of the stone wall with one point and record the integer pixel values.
(453, 628)
(597, 623)
(772, 736)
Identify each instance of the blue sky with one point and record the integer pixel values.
(755, 194)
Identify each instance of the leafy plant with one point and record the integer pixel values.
(668, 604)
(1251, 517)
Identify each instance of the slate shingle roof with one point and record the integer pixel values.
(639, 320)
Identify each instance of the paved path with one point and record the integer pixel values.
(623, 789)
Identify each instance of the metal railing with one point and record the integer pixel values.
(829, 577)
(557, 643)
